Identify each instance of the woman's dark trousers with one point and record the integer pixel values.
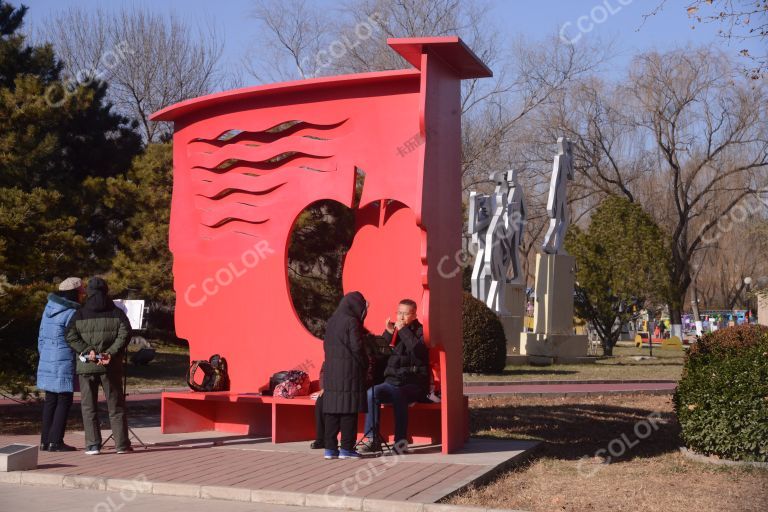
(347, 424)
(55, 413)
(319, 421)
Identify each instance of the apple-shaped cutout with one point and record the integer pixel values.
(384, 262)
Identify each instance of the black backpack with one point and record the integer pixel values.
(216, 377)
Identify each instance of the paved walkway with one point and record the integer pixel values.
(212, 462)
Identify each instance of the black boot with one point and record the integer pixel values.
(61, 447)
(44, 447)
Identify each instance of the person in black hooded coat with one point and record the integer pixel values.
(344, 378)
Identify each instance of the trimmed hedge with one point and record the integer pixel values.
(485, 346)
(722, 398)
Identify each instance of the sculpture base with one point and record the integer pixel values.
(547, 349)
(553, 309)
(513, 327)
(513, 320)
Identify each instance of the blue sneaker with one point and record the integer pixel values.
(349, 454)
(331, 454)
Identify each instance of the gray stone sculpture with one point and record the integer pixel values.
(497, 223)
(557, 208)
(479, 220)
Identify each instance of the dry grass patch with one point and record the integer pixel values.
(650, 475)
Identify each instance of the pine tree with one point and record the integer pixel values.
(60, 145)
(52, 138)
(622, 262)
(142, 267)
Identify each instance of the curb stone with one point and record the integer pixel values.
(119, 484)
(710, 459)
(33, 478)
(11, 477)
(333, 501)
(374, 505)
(174, 489)
(278, 497)
(442, 507)
(84, 482)
(215, 492)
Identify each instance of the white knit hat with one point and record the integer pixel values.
(71, 283)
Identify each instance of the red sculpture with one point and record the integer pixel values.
(247, 162)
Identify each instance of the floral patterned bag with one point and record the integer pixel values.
(296, 383)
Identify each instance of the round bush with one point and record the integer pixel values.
(722, 398)
(485, 346)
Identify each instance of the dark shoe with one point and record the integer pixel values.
(346, 454)
(92, 450)
(331, 454)
(317, 445)
(44, 447)
(127, 449)
(61, 447)
(401, 448)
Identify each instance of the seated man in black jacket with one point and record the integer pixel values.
(406, 377)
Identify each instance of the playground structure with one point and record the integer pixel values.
(248, 162)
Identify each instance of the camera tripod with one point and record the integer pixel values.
(373, 434)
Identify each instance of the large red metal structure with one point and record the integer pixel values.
(246, 164)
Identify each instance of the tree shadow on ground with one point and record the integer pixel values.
(23, 419)
(575, 430)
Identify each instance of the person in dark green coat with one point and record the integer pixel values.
(99, 333)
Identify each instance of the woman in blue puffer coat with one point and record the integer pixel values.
(56, 369)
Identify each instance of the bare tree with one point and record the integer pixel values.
(711, 134)
(528, 75)
(742, 21)
(685, 136)
(289, 47)
(735, 251)
(149, 60)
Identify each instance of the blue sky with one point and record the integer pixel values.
(606, 19)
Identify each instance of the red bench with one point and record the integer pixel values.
(256, 415)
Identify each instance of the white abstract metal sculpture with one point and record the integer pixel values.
(557, 208)
(497, 224)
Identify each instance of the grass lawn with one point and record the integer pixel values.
(167, 370)
(667, 364)
(651, 475)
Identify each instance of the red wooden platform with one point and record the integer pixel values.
(281, 419)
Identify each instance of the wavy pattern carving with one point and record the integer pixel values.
(236, 173)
